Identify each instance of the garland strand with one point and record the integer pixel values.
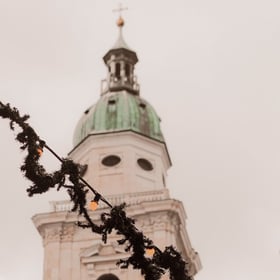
(134, 240)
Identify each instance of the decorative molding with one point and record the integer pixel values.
(163, 220)
(52, 234)
(58, 233)
(67, 232)
(91, 251)
(99, 258)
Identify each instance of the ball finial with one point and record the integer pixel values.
(120, 22)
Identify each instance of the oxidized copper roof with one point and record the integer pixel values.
(119, 111)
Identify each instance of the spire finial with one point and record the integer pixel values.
(120, 21)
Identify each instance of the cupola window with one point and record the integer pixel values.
(145, 164)
(127, 70)
(118, 70)
(111, 160)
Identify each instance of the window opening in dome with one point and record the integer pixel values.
(111, 160)
(145, 164)
(112, 102)
(86, 111)
(142, 105)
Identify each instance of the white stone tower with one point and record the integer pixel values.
(120, 141)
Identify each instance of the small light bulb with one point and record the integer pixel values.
(39, 151)
(93, 205)
(150, 251)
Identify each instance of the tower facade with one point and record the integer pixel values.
(120, 142)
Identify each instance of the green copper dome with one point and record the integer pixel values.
(119, 111)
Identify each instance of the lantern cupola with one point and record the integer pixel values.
(120, 61)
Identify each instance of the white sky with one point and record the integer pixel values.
(210, 68)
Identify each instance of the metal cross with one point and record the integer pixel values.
(120, 9)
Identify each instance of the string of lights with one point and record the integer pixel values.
(145, 256)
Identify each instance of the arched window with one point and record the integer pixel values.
(108, 276)
(127, 70)
(118, 70)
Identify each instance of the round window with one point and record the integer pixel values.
(111, 160)
(145, 164)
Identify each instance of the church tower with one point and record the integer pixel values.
(120, 142)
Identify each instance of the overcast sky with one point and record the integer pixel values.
(211, 70)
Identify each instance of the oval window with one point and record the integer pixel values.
(111, 160)
(145, 164)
